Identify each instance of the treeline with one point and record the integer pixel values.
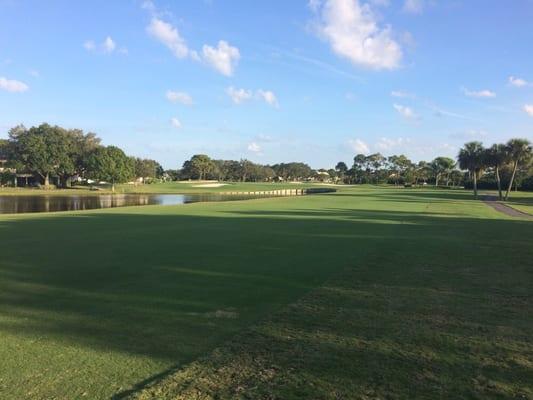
(66, 155)
(201, 167)
(498, 167)
(51, 153)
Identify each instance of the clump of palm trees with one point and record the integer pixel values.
(474, 158)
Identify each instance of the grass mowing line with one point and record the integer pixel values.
(351, 339)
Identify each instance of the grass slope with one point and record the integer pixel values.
(366, 293)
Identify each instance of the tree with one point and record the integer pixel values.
(471, 158)
(173, 174)
(496, 156)
(341, 168)
(456, 177)
(442, 166)
(399, 165)
(110, 164)
(519, 150)
(294, 170)
(146, 168)
(198, 167)
(358, 168)
(246, 168)
(84, 146)
(43, 150)
(422, 171)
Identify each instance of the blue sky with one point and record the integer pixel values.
(315, 81)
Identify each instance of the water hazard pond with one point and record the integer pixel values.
(49, 203)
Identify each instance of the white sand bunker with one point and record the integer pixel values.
(210, 185)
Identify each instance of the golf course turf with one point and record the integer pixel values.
(368, 293)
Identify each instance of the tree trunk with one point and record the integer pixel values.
(475, 184)
(47, 180)
(511, 181)
(437, 180)
(498, 181)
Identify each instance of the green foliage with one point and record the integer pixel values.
(442, 166)
(198, 167)
(110, 164)
(519, 152)
(146, 168)
(472, 158)
(292, 171)
(48, 151)
(43, 150)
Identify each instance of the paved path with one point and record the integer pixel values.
(491, 201)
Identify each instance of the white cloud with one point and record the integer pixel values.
(89, 45)
(180, 97)
(109, 45)
(518, 82)
(175, 123)
(529, 109)
(480, 93)
(353, 32)
(254, 148)
(148, 5)
(239, 96)
(405, 111)
(268, 96)
(387, 144)
(12, 85)
(413, 6)
(34, 73)
(223, 58)
(401, 94)
(169, 36)
(358, 146)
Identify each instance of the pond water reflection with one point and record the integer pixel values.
(50, 203)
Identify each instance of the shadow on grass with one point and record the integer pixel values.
(173, 287)
(424, 195)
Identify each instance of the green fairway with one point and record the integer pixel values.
(366, 293)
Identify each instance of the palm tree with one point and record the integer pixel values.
(519, 150)
(471, 158)
(497, 156)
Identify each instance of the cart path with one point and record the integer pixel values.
(491, 201)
